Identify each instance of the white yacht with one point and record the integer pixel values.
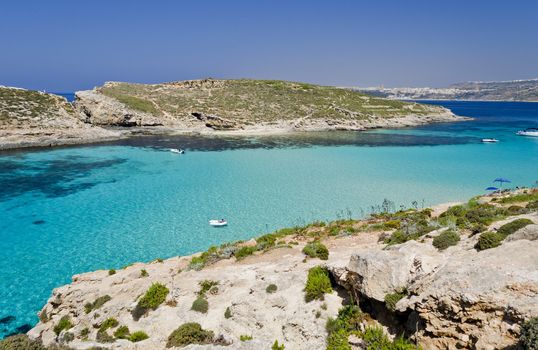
(528, 132)
(218, 223)
(489, 140)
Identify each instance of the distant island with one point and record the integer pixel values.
(115, 110)
(514, 90)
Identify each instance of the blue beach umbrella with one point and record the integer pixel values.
(491, 188)
(500, 180)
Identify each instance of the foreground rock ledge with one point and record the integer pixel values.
(458, 298)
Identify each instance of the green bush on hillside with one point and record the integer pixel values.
(489, 240)
(529, 334)
(316, 249)
(189, 333)
(108, 323)
(138, 336)
(97, 303)
(243, 252)
(200, 305)
(272, 288)
(63, 324)
(122, 332)
(155, 296)
(392, 299)
(206, 285)
(317, 284)
(511, 227)
(446, 239)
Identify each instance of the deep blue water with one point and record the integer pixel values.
(75, 209)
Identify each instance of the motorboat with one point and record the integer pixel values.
(218, 223)
(489, 140)
(177, 150)
(528, 132)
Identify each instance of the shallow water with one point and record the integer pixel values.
(76, 209)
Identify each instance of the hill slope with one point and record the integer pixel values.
(516, 90)
(247, 105)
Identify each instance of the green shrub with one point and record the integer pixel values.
(97, 303)
(515, 210)
(518, 198)
(244, 337)
(375, 338)
(189, 333)
(391, 225)
(228, 313)
(108, 323)
(68, 337)
(511, 227)
(23, 342)
(446, 239)
(337, 340)
(155, 296)
(144, 273)
(532, 205)
(138, 336)
(276, 346)
(200, 305)
(122, 332)
(316, 249)
(489, 240)
(529, 334)
(392, 299)
(104, 337)
(63, 324)
(317, 284)
(243, 252)
(400, 343)
(84, 332)
(272, 288)
(206, 285)
(111, 272)
(348, 320)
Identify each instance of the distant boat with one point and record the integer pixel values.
(528, 132)
(489, 140)
(177, 150)
(218, 223)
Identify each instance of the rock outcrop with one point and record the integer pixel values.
(458, 298)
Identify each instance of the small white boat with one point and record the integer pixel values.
(218, 223)
(177, 150)
(489, 140)
(528, 132)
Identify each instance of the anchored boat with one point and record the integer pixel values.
(218, 223)
(489, 140)
(528, 132)
(177, 150)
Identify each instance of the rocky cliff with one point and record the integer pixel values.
(33, 118)
(434, 276)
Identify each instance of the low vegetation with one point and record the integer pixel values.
(138, 336)
(208, 286)
(244, 337)
(277, 346)
(228, 313)
(200, 305)
(189, 333)
(529, 334)
(97, 303)
(392, 299)
(23, 342)
(446, 239)
(317, 284)
(155, 296)
(272, 288)
(492, 239)
(316, 249)
(63, 324)
(122, 332)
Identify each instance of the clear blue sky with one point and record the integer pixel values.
(72, 45)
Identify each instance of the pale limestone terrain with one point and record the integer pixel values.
(458, 298)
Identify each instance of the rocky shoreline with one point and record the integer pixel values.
(452, 277)
(35, 119)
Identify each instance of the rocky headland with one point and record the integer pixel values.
(209, 106)
(453, 277)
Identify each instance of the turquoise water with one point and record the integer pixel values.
(71, 210)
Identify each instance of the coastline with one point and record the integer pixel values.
(18, 140)
(242, 283)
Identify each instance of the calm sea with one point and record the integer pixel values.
(70, 210)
